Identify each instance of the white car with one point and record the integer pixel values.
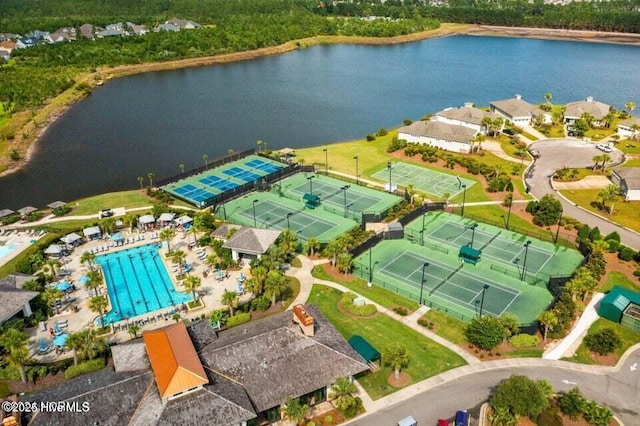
(604, 147)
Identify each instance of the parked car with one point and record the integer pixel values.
(462, 418)
(604, 147)
(408, 421)
(106, 213)
(535, 153)
(443, 422)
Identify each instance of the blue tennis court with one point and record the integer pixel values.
(218, 183)
(244, 175)
(192, 192)
(263, 165)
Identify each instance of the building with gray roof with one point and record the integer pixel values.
(598, 110)
(440, 135)
(242, 365)
(629, 180)
(518, 111)
(251, 242)
(14, 298)
(629, 128)
(466, 116)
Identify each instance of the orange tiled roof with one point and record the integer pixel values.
(174, 360)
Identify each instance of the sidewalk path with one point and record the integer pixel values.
(567, 346)
(495, 148)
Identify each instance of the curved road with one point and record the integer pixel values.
(468, 387)
(558, 153)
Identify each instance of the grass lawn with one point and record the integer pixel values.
(616, 278)
(584, 172)
(426, 358)
(507, 146)
(447, 327)
(128, 199)
(293, 289)
(379, 295)
(599, 134)
(628, 337)
(629, 146)
(634, 162)
(529, 136)
(4, 389)
(624, 213)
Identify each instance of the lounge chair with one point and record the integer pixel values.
(43, 348)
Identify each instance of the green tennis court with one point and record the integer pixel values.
(426, 180)
(267, 211)
(503, 248)
(450, 286)
(453, 284)
(338, 196)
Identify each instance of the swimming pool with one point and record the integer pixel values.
(137, 282)
(7, 248)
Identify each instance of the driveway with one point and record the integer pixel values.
(619, 389)
(558, 153)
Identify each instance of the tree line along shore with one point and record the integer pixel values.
(21, 129)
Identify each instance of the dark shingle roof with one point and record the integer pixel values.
(201, 333)
(13, 298)
(252, 240)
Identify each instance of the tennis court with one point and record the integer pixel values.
(241, 174)
(453, 284)
(337, 195)
(218, 183)
(425, 180)
(193, 193)
(267, 211)
(263, 166)
(503, 249)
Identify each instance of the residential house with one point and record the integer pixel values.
(210, 377)
(466, 116)
(7, 45)
(40, 35)
(439, 134)
(183, 24)
(249, 243)
(25, 42)
(89, 31)
(110, 32)
(8, 36)
(4, 55)
(629, 128)
(137, 29)
(15, 299)
(519, 112)
(63, 34)
(629, 180)
(598, 110)
(166, 27)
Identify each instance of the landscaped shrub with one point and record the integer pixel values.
(614, 246)
(626, 253)
(549, 419)
(524, 341)
(347, 303)
(84, 368)
(371, 138)
(238, 319)
(425, 323)
(596, 414)
(329, 418)
(260, 303)
(572, 403)
(403, 312)
(603, 341)
(382, 132)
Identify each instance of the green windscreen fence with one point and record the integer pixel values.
(364, 348)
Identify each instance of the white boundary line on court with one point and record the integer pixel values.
(360, 196)
(280, 206)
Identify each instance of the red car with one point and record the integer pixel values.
(443, 422)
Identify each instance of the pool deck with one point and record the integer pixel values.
(22, 240)
(210, 292)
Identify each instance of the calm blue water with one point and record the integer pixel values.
(154, 122)
(137, 282)
(6, 249)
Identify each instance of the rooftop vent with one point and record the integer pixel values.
(518, 96)
(589, 98)
(468, 104)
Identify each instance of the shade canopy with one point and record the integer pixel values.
(56, 204)
(61, 340)
(166, 217)
(146, 219)
(83, 279)
(183, 220)
(53, 249)
(63, 286)
(6, 212)
(92, 230)
(71, 238)
(27, 210)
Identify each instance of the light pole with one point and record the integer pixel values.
(389, 167)
(344, 189)
(555, 241)
(357, 175)
(224, 211)
(288, 216)
(255, 223)
(473, 233)
(524, 265)
(422, 237)
(424, 265)
(484, 289)
(370, 268)
(464, 197)
(326, 161)
(310, 184)
(509, 214)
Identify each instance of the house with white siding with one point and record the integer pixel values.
(629, 180)
(466, 116)
(598, 110)
(440, 135)
(629, 128)
(518, 111)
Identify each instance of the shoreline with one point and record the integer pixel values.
(54, 109)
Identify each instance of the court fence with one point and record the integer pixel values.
(208, 166)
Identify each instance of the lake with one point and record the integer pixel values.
(156, 121)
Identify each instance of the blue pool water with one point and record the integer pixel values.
(6, 249)
(137, 282)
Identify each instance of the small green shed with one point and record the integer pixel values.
(616, 301)
(364, 348)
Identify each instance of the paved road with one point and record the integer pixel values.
(619, 389)
(558, 153)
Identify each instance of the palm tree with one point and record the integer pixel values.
(610, 193)
(230, 299)
(205, 157)
(150, 175)
(311, 245)
(588, 118)
(259, 143)
(94, 281)
(88, 258)
(133, 330)
(51, 295)
(333, 249)
(181, 167)
(605, 158)
(128, 220)
(397, 357)
(275, 285)
(288, 243)
(98, 304)
(345, 261)
(179, 257)
(548, 320)
(486, 123)
(478, 139)
(75, 343)
(51, 266)
(85, 344)
(630, 106)
(230, 151)
(547, 97)
(108, 225)
(636, 131)
(166, 235)
(141, 181)
(596, 160)
(254, 286)
(15, 343)
(192, 284)
(211, 261)
(341, 389)
(295, 410)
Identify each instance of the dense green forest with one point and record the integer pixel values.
(35, 74)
